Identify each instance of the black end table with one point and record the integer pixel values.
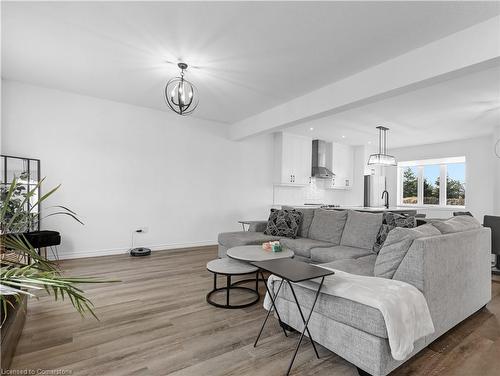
(292, 271)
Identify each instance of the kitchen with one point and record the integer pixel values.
(318, 173)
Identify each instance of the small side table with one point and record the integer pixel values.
(228, 267)
(291, 271)
(248, 223)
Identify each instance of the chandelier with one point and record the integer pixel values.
(382, 158)
(180, 94)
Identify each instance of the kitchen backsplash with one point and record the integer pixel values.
(314, 193)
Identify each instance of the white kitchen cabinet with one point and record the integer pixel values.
(342, 165)
(292, 159)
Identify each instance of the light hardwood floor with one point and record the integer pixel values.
(156, 322)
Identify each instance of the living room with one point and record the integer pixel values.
(299, 110)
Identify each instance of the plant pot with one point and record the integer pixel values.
(12, 329)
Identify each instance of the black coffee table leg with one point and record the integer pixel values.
(305, 326)
(273, 305)
(303, 318)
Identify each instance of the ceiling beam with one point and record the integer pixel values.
(474, 48)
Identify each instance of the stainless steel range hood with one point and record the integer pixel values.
(319, 154)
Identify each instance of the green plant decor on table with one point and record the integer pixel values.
(22, 270)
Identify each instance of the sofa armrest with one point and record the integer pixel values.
(454, 273)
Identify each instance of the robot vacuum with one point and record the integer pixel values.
(136, 252)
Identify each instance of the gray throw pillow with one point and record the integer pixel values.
(361, 229)
(457, 224)
(307, 217)
(284, 223)
(327, 225)
(396, 247)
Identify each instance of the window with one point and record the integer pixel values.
(438, 182)
(455, 184)
(410, 185)
(431, 184)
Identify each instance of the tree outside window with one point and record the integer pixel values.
(410, 185)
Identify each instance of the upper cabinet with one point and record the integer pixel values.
(342, 165)
(292, 159)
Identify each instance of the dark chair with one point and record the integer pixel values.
(493, 223)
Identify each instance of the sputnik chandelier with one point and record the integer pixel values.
(180, 94)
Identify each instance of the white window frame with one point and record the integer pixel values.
(443, 172)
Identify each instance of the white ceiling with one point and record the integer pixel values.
(249, 56)
(464, 107)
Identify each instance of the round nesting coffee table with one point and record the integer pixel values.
(249, 253)
(229, 268)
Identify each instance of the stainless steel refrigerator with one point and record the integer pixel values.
(374, 186)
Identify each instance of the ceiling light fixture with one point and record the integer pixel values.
(382, 158)
(180, 94)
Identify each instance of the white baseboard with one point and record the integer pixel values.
(120, 251)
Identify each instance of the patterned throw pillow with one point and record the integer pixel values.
(391, 221)
(284, 223)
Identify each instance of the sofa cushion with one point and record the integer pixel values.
(457, 224)
(361, 229)
(361, 266)
(396, 246)
(327, 225)
(339, 252)
(303, 246)
(283, 223)
(307, 217)
(233, 239)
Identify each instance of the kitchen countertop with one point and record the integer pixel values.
(361, 208)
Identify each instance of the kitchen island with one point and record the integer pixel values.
(381, 209)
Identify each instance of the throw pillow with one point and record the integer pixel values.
(327, 225)
(390, 221)
(307, 217)
(457, 224)
(284, 223)
(361, 229)
(396, 247)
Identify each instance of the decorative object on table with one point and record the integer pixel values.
(291, 271)
(180, 94)
(274, 246)
(382, 158)
(283, 222)
(493, 222)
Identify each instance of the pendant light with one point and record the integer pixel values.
(382, 158)
(180, 94)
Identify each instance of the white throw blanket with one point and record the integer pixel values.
(403, 306)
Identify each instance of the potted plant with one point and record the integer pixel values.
(23, 271)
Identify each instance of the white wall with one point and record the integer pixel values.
(496, 166)
(123, 166)
(480, 172)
